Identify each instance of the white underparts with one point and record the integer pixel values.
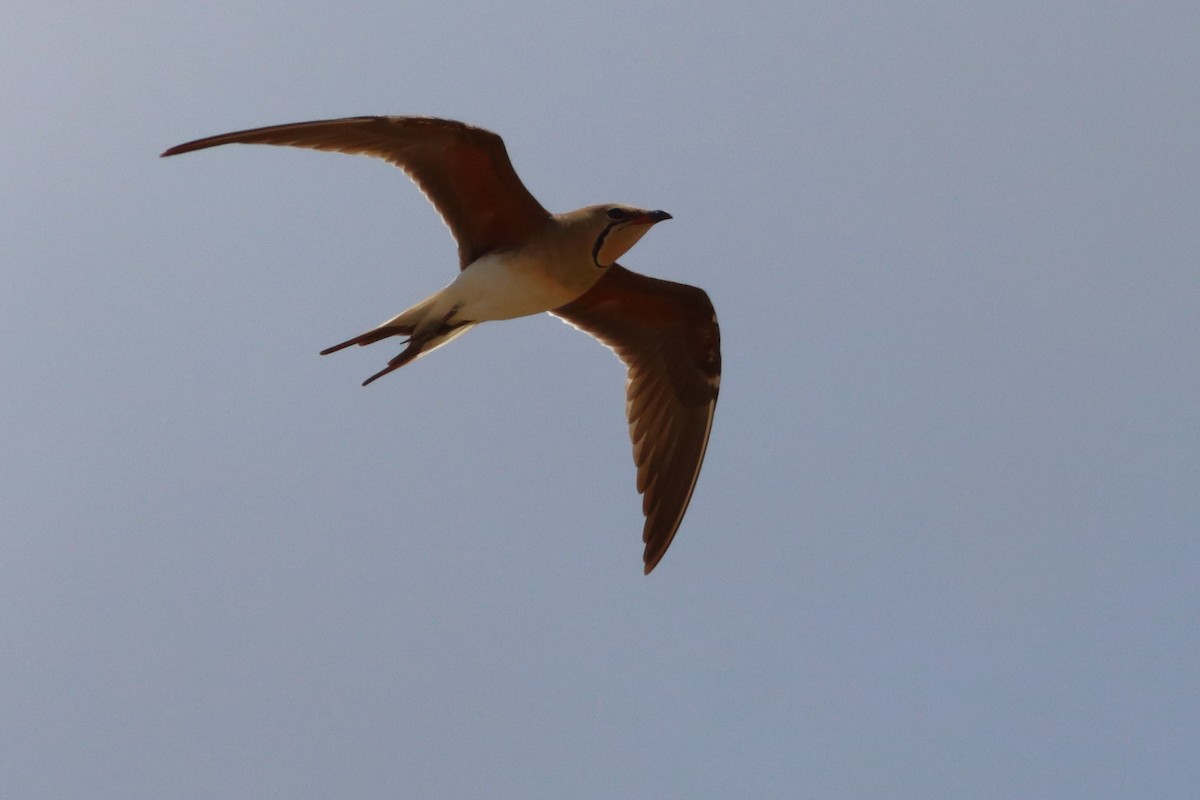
(497, 286)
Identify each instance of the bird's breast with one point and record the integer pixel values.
(517, 284)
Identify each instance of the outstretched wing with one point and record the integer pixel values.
(463, 170)
(666, 334)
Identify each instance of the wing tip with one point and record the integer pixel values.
(188, 147)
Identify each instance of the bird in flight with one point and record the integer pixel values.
(517, 259)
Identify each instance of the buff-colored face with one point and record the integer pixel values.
(621, 228)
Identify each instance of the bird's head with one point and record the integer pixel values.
(616, 228)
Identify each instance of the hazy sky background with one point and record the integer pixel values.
(945, 543)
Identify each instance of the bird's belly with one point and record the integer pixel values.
(503, 286)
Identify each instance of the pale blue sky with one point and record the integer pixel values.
(945, 543)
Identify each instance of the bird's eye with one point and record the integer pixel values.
(617, 214)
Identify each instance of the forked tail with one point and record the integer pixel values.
(418, 344)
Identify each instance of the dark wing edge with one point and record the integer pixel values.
(667, 335)
(463, 170)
